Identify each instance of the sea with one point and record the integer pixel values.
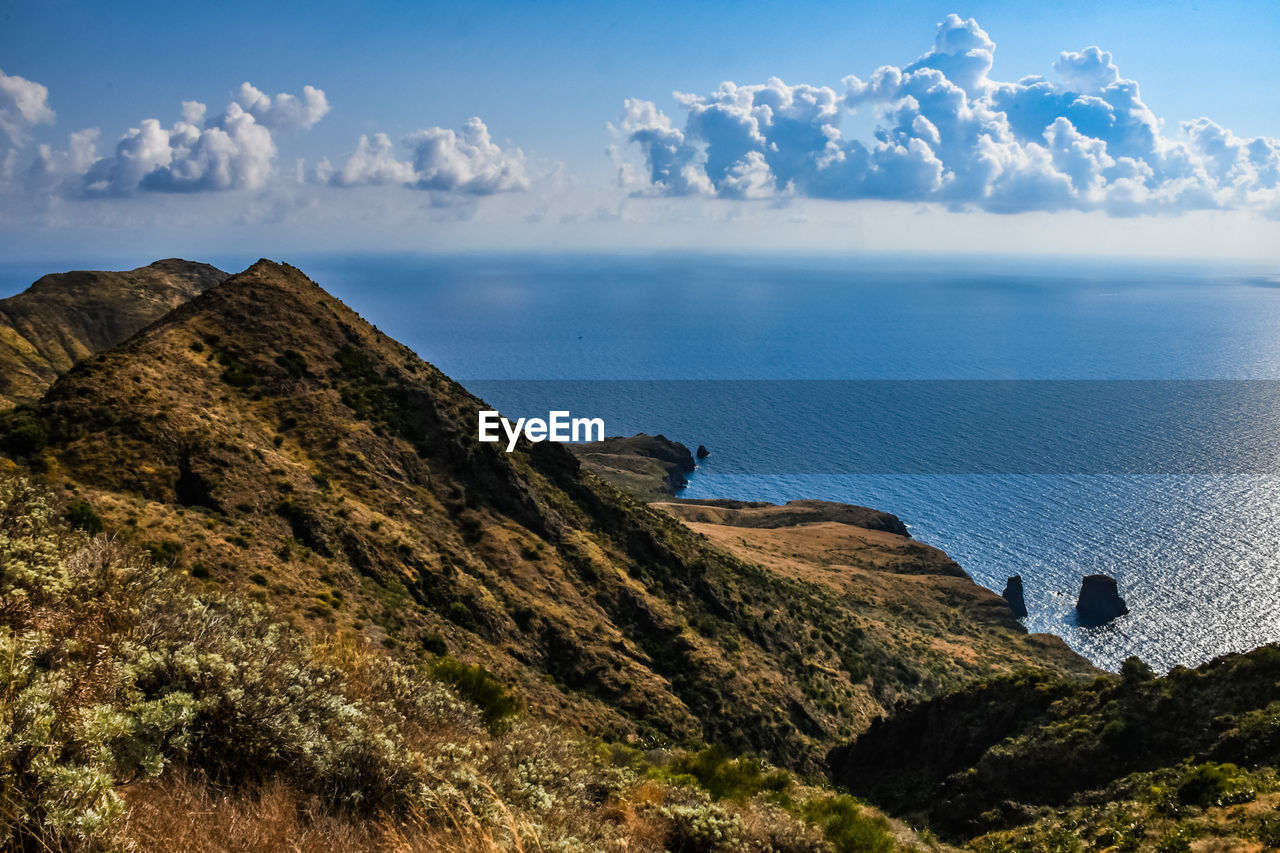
(1043, 417)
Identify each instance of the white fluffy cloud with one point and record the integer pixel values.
(946, 132)
(234, 150)
(23, 104)
(285, 111)
(374, 162)
(468, 163)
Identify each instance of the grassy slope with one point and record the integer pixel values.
(139, 711)
(66, 317)
(263, 436)
(952, 629)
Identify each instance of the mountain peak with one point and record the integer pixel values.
(64, 318)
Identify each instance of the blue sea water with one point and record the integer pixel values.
(1047, 418)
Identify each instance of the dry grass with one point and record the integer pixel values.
(182, 811)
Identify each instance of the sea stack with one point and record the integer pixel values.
(703, 453)
(1099, 601)
(1013, 594)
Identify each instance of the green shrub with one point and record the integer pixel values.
(293, 363)
(847, 827)
(1215, 785)
(239, 377)
(702, 828)
(1134, 670)
(460, 614)
(81, 515)
(435, 644)
(26, 438)
(474, 682)
(164, 553)
(731, 779)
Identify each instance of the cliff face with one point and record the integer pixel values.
(66, 317)
(264, 436)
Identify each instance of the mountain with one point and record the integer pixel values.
(263, 437)
(66, 317)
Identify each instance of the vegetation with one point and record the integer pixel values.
(1033, 762)
(133, 708)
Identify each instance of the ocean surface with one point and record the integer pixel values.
(1048, 418)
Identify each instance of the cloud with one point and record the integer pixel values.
(468, 162)
(1089, 71)
(465, 163)
(234, 150)
(285, 111)
(372, 163)
(962, 51)
(947, 132)
(23, 104)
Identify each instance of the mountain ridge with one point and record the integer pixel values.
(263, 436)
(63, 318)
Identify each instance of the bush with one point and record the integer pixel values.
(293, 363)
(239, 377)
(81, 515)
(731, 779)
(702, 828)
(460, 614)
(847, 827)
(1215, 785)
(27, 438)
(1135, 670)
(476, 684)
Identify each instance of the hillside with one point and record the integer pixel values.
(868, 559)
(141, 711)
(66, 317)
(1031, 762)
(263, 437)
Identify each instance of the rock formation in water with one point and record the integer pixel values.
(703, 453)
(1100, 600)
(1013, 594)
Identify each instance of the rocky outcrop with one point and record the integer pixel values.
(1013, 594)
(703, 453)
(762, 514)
(648, 466)
(1099, 600)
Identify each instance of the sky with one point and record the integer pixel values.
(157, 129)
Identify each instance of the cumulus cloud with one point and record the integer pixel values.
(1089, 71)
(285, 111)
(466, 162)
(947, 132)
(233, 150)
(23, 104)
(372, 163)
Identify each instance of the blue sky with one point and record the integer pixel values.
(581, 143)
